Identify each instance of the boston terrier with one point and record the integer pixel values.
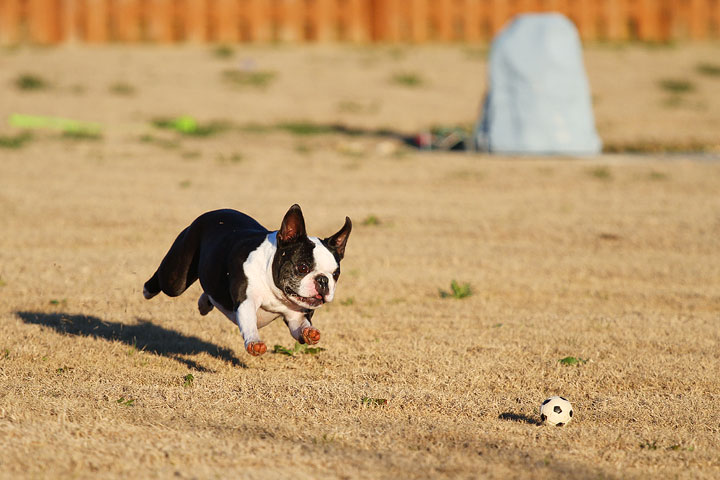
(253, 275)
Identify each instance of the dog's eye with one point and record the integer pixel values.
(303, 268)
(336, 274)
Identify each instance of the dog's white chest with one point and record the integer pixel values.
(261, 289)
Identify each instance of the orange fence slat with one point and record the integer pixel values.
(125, 15)
(554, 5)
(471, 21)
(194, 19)
(522, 6)
(499, 14)
(9, 21)
(394, 21)
(160, 20)
(320, 17)
(68, 21)
(289, 21)
(483, 20)
(96, 21)
(356, 16)
(581, 12)
(699, 19)
(257, 16)
(622, 11)
(648, 16)
(44, 21)
(226, 21)
(519, 6)
(386, 20)
(442, 19)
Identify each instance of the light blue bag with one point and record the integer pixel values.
(538, 100)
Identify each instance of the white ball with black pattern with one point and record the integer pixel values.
(556, 411)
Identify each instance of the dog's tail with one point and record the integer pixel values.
(179, 269)
(151, 287)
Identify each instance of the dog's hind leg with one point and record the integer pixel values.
(179, 269)
(204, 304)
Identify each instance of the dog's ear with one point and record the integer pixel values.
(293, 226)
(337, 242)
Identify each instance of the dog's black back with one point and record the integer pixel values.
(215, 241)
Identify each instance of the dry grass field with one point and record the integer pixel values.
(613, 260)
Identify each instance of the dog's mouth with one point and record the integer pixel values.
(312, 302)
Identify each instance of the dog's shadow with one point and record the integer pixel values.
(519, 417)
(144, 336)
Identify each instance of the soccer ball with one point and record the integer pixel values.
(556, 411)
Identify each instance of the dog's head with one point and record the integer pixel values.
(306, 269)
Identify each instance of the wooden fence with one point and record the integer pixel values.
(357, 21)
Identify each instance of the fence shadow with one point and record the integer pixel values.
(145, 335)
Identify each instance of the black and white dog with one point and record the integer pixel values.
(253, 275)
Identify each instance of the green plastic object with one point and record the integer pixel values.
(39, 122)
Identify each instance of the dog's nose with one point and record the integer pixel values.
(321, 285)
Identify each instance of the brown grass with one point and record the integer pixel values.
(619, 270)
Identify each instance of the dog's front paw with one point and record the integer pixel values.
(256, 348)
(311, 335)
